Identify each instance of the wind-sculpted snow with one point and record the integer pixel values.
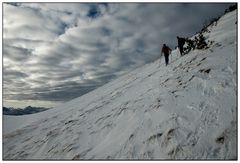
(186, 110)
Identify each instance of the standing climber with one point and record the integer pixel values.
(181, 42)
(166, 51)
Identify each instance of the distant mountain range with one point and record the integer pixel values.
(19, 111)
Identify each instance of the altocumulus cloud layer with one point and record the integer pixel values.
(57, 52)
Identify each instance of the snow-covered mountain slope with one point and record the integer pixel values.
(186, 110)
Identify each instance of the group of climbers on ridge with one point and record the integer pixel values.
(167, 51)
(198, 42)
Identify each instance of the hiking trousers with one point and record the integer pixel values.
(166, 58)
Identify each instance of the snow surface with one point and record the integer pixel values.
(186, 110)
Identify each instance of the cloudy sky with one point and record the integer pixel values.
(54, 52)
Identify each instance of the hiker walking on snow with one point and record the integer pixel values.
(181, 42)
(166, 51)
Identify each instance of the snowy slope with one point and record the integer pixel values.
(186, 110)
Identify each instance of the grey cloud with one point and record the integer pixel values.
(67, 92)
(25, 43)
(14, 73)
(16, 53)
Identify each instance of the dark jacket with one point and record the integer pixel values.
(181, 41)
(166, 50)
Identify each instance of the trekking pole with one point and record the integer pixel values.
(160, 60)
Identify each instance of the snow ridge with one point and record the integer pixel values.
(186, 110)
